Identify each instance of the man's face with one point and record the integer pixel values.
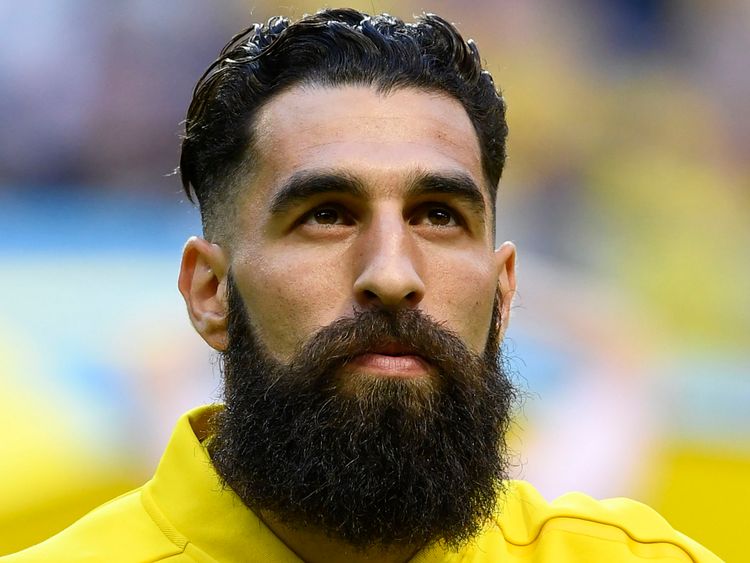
(363, 394)
(363, 201)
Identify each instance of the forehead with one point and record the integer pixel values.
(379, 137)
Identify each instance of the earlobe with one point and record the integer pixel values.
(505, 259)
(202, 283)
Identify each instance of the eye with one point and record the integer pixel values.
(437, 216)
(327, 215)
(440, 216)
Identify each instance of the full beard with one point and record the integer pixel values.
(373, 461)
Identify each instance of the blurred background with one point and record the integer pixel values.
(627, 192)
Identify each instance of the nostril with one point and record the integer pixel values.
(370, 298)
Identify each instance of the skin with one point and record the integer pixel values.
(323, 256)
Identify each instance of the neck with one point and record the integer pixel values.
(313, 546)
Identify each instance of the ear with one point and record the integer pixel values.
(505, 260)
(202, 283)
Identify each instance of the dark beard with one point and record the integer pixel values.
(373, 461)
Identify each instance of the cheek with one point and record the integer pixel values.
(463, 294)
(288, 299)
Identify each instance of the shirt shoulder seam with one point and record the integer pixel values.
(594, 521)
(162, 522)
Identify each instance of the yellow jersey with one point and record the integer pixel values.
(184, 514)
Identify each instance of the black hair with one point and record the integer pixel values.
(333, 47)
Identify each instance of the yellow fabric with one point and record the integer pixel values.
(184, 514)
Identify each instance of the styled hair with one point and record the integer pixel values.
(334, 47)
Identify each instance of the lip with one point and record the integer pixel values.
(391, 360)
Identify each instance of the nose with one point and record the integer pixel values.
(388, 269)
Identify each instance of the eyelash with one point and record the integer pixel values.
(424, 209)
(341, 211)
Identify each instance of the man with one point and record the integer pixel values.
(346, 168)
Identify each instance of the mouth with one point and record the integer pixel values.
(391, 360)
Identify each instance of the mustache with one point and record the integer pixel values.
(413, 331)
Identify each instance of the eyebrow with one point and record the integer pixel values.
(305, 185)
(456, 184)
(302, 186)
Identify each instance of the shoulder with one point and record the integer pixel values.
(122, 530)
(577, 525)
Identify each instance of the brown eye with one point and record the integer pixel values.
(326, 216)
(440, 216)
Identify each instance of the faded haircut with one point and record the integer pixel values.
(335, 47)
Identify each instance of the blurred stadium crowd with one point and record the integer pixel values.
(627, 192)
